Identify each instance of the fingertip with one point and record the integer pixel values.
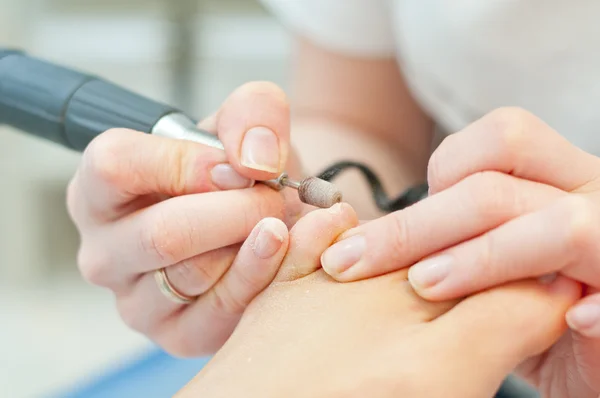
(225, 177)
(209, 124)
(311, 236)
(254, 126)
(584, 317)
(256, 263)
(337, 219)
(346, 212)
(269, 237)
(343, 256)
(338, 259)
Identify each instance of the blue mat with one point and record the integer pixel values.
(157, 375)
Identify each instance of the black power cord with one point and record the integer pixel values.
(383, 202)
(510, 388)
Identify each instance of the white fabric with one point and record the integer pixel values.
(355, 27)
(463, 58)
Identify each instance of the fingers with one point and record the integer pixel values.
(254, 126)
(561, 237)
(504, 326)
(254, 268)
(175, 230)
(195, 276)
(511, 140)
(585, 317)
(216, 312)
(471, 207)
(202, 327)
(120, 165)
(142, 305)
(311, 236)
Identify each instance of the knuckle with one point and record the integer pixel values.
(176, 347)
(264, 89)
(103, 158)
(93, 266)
(256, 209)
(439, 168)
(130, 315)
(399, 243)
(582, 232)
(196, 273)
(436, 166)
(512, 125)
(486, 264)
(183, 169)
(491, 193)
(177, 157)
(72, 199)
(223, 303)
(158, 241)
(181, 343)
(435, 175)
(437, 160)
(510, 113)
(249, 281)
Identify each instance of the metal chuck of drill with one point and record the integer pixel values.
(71, 108)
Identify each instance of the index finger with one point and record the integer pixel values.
(121, 165)
(475, 205)
(513, 141)
(178, 229)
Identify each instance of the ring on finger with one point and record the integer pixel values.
(167, 289)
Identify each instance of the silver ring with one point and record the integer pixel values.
(168, 290)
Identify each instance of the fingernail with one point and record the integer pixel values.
(268, 241)
(260, 150)
(225, 177)
(344, 254)
(585, 319)
(430, 272)
(336, 209)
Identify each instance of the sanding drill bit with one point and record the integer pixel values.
(72, 108)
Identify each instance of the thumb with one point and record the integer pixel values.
(254, 126)
(496, 330)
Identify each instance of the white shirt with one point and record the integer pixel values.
(464, 58)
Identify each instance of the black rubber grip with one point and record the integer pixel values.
(98, 106)
(66, 106)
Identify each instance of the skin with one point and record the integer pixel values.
(522, 214)
(142, 203)
(376, 337)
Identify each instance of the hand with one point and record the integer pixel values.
(309, 336)
(143, 202)
(511, 199)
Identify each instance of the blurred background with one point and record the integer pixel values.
(57, 332)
